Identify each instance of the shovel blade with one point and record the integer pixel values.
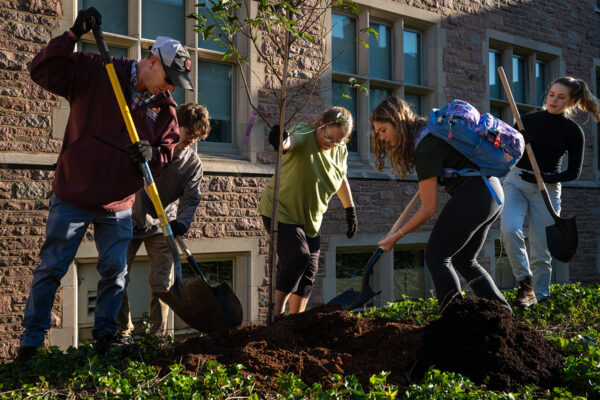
(195, 304)
(232, 313)
(346, 299)
(562, 239)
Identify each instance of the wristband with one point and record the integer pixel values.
(402, 233)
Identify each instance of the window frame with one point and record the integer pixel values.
(240, 109)
(531, 51)
(396, 17)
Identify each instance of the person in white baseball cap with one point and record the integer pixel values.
(175, 60)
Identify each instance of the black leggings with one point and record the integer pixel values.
(456, 239)
(298, 259)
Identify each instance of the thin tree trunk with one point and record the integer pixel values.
(275, 215)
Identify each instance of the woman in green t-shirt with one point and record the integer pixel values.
(462, 225)
(313, 169)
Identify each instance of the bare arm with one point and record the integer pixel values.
(345, 194)
(428, 193)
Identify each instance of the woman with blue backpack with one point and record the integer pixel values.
(552, 133)
(462, 225)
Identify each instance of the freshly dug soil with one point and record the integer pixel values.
(482, 340)
(475, 337)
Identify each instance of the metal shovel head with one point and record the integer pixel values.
(562, 239)
(232, 313)
(195, 304)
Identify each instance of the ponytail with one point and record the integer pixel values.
(583, 98)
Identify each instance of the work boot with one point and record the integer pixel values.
(525, 295)
(25, 354)
(106, 342)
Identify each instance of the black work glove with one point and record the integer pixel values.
(85, 21)
(351, 221)
(178, 228)
(274, 136)
(140, 152)
(547, 177)
(528, 176)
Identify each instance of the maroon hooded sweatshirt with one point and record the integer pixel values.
(94, 170)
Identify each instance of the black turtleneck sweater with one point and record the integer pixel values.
(551, 136)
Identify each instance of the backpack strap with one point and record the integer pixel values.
(453, 173)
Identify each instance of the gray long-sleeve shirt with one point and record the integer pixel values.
(180, 180)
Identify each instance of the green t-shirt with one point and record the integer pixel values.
(309, 179)
(432, 155)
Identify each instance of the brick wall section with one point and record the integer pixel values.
(229, 204)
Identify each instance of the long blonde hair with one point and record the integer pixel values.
(407, 124)
(583, 98)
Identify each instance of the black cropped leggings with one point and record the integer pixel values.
(457, 238)
(298, 259)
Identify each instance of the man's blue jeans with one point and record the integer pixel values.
(65, 228)
(522, 198)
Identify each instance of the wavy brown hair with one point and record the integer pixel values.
(194, 117)
(583, 98)
(407, 124)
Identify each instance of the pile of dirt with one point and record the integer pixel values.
(482, 340)
(475, 337)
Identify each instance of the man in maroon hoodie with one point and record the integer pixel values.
(98, 172)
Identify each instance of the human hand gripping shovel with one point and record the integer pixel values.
(562, 236)
(351, 298)
(195, 303)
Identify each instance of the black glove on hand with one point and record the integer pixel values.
(86, 19)
(274, 136)
(178, 228)
(351, 221)
(140, 152)
(528, 176)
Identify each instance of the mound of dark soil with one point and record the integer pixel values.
(482, 340)
(475, 337)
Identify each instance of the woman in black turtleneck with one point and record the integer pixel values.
(552, 134)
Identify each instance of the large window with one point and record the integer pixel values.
(130, 29)
(528, 66)
(392, 64)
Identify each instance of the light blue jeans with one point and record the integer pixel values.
(65, 228)
(520, 198)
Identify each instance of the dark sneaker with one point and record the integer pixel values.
(123, 344)
(25, 354)
(525, 295)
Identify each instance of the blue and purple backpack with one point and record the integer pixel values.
(490, 143)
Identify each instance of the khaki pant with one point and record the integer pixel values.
(161, 265)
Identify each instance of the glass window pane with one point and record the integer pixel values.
(519, 79)
(380, 52)
(496, 112)
(409, 273)
(338, 99)
(114, 14)
(210, 44)
(178, 95)
(163, 18)
(412, 57)
(540, 82)
(377, 95)
(116, 52)
(343, 43)
(495, 85)
(415, 103)
(349, 269)
(214, 92)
